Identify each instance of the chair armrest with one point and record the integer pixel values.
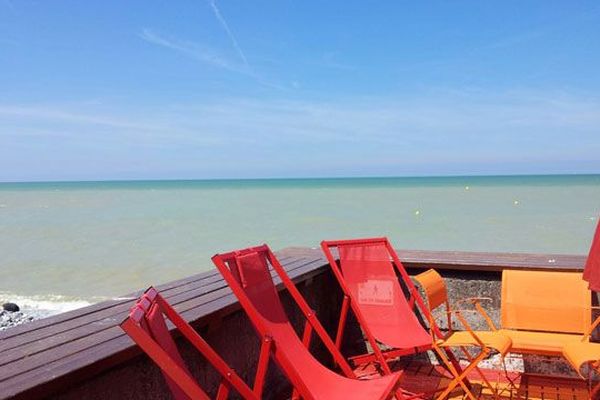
(476, 301)
(463, 321)
(473, 300)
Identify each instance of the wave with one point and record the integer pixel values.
(40, 306)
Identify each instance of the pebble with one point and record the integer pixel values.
(9, 319)
(12, 307)
(11, 315)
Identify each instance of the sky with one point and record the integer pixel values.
(249, 89)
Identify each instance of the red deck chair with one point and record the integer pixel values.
(247, 273)
(373, 292)
(147, 327)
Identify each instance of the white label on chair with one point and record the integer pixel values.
(376, 292)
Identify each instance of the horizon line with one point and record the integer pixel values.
(299, 178)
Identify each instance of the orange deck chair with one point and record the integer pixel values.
(550, 313)
(436, 293)
(372, 290)
(146, 325)
(248, 274)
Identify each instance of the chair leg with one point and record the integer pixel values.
(459, 378)
(485, 380)
(511, 383)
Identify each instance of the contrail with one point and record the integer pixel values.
(229, 33)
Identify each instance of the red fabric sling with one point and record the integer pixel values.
(592, 266)
(373, 283)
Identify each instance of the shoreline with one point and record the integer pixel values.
(16, 310)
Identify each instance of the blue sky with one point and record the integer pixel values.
(223, 89)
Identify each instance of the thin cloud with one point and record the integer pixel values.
(436, 114)
(72, 123)
(57, 115)
(205, 55)
(189, 49)
(230, 34)
(432, 133)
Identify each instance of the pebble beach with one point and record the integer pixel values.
(9, 319)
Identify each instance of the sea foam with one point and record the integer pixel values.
(40, 306)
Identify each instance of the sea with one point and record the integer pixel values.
(69, 244)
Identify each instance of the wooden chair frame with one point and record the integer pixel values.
(133, 325)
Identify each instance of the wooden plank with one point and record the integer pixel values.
(78, 366)
(472, 261)
(208, 282)
(24, 358)
(207, 277)
(120, 348)
(29, 374)
(54, 339)
(477, 261)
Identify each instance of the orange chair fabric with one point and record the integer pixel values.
(544, 343)
(580, 353)
(545, 301)
(493, 339)
(434, 287)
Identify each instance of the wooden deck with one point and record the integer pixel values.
(39, 358)
(489, 262)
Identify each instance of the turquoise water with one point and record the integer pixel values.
(71, 243)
